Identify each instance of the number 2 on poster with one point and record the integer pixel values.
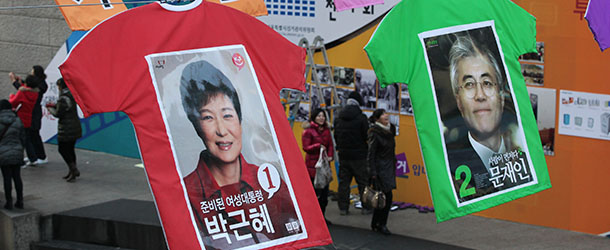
(458, 175)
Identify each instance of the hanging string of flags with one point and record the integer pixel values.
(102, 2)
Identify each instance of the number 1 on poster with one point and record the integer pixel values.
(269, 178)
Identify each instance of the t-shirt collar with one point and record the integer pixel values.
(178, 8)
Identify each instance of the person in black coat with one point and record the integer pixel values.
(38, 71)
(350, 135)
(36, 146)
(68, 128)
(12, 138)
(382, 164)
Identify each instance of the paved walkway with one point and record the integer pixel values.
(106, 177)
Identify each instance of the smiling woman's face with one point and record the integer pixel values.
(221, 128)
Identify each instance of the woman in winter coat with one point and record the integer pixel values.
(68, 128)
(315, 136)
(36, 140)
(382, 164)
(12, 138)
(24, 101)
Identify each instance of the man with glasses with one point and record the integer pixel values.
(478, 87)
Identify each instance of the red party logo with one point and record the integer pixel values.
(238, 60)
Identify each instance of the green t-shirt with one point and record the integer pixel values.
(475, 123)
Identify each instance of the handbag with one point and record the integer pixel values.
(323, 172)
(373, 198)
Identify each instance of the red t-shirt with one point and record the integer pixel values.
(107, 71)
(26, 97)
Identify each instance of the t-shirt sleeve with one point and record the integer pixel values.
(106, 68)
(516, 26)
(386, 49)
(284, 61)
(82, 72)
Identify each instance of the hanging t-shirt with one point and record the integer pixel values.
(599, 21)
(200, 84)
(475, 123)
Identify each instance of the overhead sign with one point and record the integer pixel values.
(296, 19)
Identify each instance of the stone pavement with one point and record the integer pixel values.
(106, 177)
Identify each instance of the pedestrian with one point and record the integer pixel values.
(382, 163)
(23, 101)
(38, 71)
(315, 136)
(68, 128)
(351, 128)
(35, 140)
(12, 138)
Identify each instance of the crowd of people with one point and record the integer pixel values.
(20, 124)
(365, 149)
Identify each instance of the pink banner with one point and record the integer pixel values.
(342, 5)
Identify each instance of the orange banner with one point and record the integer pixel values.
(250, 7)
(83, 15)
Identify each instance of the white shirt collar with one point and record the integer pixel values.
(178, 8)
(484, 152)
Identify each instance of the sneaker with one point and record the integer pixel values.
(41, 161)
(28, 164)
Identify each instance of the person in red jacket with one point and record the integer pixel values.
(315, 136)
(23, 101)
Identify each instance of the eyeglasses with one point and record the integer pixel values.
(470, 88)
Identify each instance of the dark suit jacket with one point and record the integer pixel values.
(462, 153)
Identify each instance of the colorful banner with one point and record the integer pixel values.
(88, 13)
(250, 7)
(584, 114)
(474, 120)
(342, 5)
(598, 16)
(297, 19)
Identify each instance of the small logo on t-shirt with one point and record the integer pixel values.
(431, 43)
(238, 60)
(160, 64)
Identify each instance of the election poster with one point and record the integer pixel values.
(484, 144)
(225, 148)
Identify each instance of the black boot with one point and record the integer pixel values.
(19, 204)
(8, 205)
(383, 230)
(73, 172)
(69, 174)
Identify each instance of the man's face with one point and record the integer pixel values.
(481, 105)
